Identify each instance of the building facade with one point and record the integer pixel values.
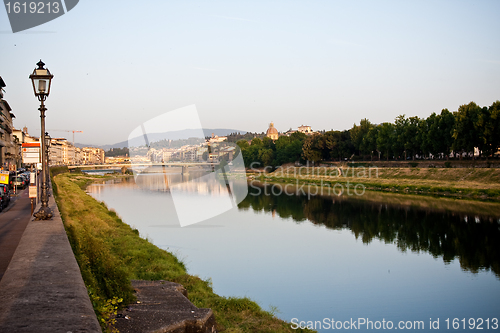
(305, 129)
(10, 148)
(62, 152)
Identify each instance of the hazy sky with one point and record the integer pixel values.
(326, 64)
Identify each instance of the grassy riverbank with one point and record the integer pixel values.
(467, 183)
(110, 254)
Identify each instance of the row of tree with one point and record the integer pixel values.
(471, 126)
(113, 152)
(286, 149)
(438, 135)
(237, 136)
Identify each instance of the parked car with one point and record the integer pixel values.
(19, 181)
(25, 178)
(12, 174)
(4, 196)
(27, 175)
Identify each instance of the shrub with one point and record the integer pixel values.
(54, 171)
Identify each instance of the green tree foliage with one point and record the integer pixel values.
(399, 139)
(281, 146)
(437, 135)
(253, 152)
(467, 133)
(358, 133)
(446, 126)
(266, 152)
(331, 145)
(113, 152)
(386, 135)
(268, 143)
(347, 147)
(243, 144)
(333, 142)
(412, 144)
(430, 140)
(491, 127)
(424, 144)
(266, 156)
(289, 149)
(406, 139)
(237, 136)
(166, 143)
(369, 143)
(313, 148)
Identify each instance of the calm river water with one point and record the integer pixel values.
(320, 259)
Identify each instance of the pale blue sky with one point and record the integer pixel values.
(326, 64)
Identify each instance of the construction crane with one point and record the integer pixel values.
(68, 132)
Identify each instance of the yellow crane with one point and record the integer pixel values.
(72, 131)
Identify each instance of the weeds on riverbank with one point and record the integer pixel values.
(110, 254)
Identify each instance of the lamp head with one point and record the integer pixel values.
(47, 140)
(41, 79)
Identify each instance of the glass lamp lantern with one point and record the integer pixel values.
(41, 80)
(47, 140)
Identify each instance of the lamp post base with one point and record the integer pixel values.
(43, 214)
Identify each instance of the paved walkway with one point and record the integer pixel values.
(42, 289)
(13, 220)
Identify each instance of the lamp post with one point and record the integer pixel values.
(47, 150)
(41, 80)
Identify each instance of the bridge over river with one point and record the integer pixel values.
(147, 167)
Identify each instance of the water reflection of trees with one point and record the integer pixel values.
(473, 240)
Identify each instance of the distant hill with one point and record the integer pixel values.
(173, 135)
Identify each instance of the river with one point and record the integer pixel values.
(327, 260)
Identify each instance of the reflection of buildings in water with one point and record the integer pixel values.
(125, 182)
(162, 182)
(192, 183)
(96, 188)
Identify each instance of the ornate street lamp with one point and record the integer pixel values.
(42, 79)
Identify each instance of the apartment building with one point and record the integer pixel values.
(10, 149)
(92, 155)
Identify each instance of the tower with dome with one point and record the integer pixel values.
(272, 132)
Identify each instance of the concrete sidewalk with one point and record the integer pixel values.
(13, 221)
(42, 289)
